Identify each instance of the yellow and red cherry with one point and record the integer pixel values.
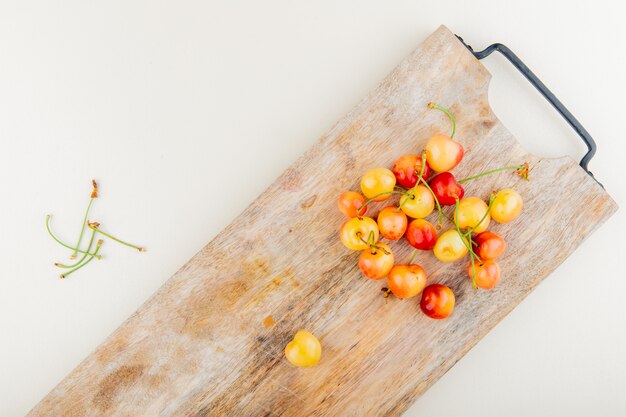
(421, 234)
(406, 281)
(376, 262)
(359, 233)
(450, 246)
(470, 212)
(407, 169)
(446, 189)
(507, 206)
(418, 203)
(488, 245)
(392, 223)
(350, 202)
(378, 183)
(437, 301)
(487, 274)
(443, 153)
(303, 350)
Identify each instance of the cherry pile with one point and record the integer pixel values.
(422, 183)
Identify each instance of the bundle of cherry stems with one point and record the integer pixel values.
(87, 255)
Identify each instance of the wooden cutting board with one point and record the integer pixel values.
(203, 344)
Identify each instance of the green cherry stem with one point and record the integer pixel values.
(373, 246)
(95, 226)
(368, 201)
(493, 171)
(64, 244)
(491, 198)
(82, 229)
(94, 195)
(436, 202)
(447, 112)
(93, 235)
(467, 244)
(413, 256)
(98, 245)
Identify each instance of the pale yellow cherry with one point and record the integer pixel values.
(507, 206)
(304, 350)
(355, 233)
(443, 153)
(419, 203)
(450, 246)
(378, 181)
(470, 211)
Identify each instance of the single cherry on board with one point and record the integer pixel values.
(442, 152)
(437, 301)
(419, 203)
(349, 203)
(450, 246)
(488, 245)
(421, 234)
(446, 189)
(378, 183)
(392, 223)
(507, 205)
(407, 169)
(406, 281)
(355, 233)
(487, 273)
(470, 212)
(304, 350)
(375, 263)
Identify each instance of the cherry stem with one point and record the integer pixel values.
(492, 197)
(82, 228)
(413, 256)
(64, 244)
(368, 201)
(493, 171)
(447, 112)
(436, 202)
(369, 242)
(94, 227)
(93, 235)
(98, 245)
(467, 244)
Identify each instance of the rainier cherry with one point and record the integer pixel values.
(407, 170)
(376, 262)
(378, 181)
(487, 274)
(446, 189)
(359, 233)
(470, 212)
(437, 301)
(304, 350)
(489, 245)
(419, 203)
(406, 281)
(349, 202)
(450, 246)
(507, 205)
(421, 234)
(442, 152)
(392, 223)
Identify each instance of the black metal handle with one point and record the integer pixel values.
(545, 91)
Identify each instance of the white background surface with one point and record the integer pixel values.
(186, 111)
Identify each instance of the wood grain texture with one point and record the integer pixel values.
(204, 345)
